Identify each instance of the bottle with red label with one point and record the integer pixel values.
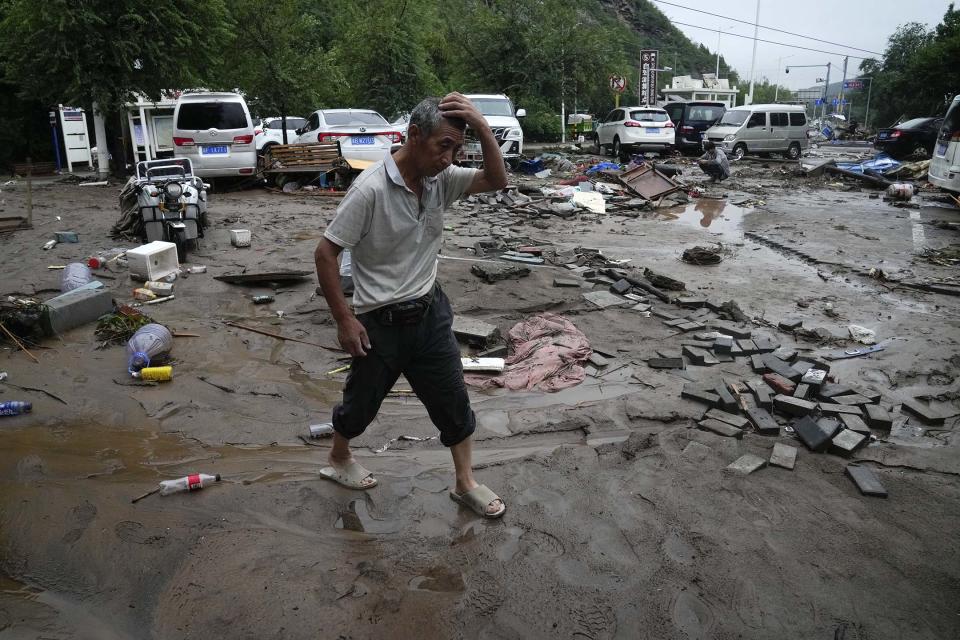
(193, 482)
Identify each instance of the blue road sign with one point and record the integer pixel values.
(819, 102)
(835, 102)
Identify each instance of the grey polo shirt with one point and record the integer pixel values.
(394, 238)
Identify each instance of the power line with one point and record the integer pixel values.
(783, 44)
(717, 15)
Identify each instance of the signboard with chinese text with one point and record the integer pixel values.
(648, 76)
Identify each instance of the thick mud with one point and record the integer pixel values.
(621, 522)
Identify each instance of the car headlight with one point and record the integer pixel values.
(173, 189)
(729, 138)
(513, 133)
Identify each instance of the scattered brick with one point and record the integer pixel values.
(855, 423)
(699, 356)
(830, 409)
(866, 480)
(779, 384)
(793, 406)
(846, 442)
(727, 400)
(878, 417)
(746, 464)
(720, 428)
(723, 345)
(923, 411)
(665, 363)
(811, 434)
(783, 455)
(802, 391)
(693, 392)
(735, 421)
(763, 422)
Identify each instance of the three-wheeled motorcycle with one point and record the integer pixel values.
(172, 202)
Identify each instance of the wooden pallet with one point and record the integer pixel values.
(301, 158)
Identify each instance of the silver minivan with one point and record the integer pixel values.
(215, 132)
(762, 128)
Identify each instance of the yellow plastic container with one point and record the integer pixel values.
(161, 374)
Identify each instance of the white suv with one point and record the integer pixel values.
(634, 128)
(498, 111)
(214, 130)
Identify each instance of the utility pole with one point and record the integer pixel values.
(840, 93)
(866, 117)
(753, 60)
(826, 85)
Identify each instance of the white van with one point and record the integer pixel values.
(214, 130)
(498, 111)
(762, 128)
(945, 163)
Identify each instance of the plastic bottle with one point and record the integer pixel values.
(148, 342)
(193, 482)
(324, 430)
(75, 274)
(15, 408)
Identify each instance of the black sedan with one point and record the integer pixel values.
(915, 137)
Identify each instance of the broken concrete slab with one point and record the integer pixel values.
(831, 409)
(831, 390)
(691, 391)
(720, 428)
(781, 368)
(676, 322)
(846, 442)
(733, 420)
(723, 345)
(495, 273)
(690, 326)
(802, 391)
(657, 312)
(811, 434)
(699, 356)
(855, 423)
(851, 399)
(566, 282)
(787, 355)
(620, 287)
(727, 400)
(761, 394)
(814, 377)
(763, 422)
(665, 363)
(790, 324)
(878, 417)
(802, 367)
(756, 363)
(783, 455)
(922, 410)
(791, 406)
(475, 331)
(605, 299)
(765, 344)
(691, 302)
(747, 347)
(745, 464)
(866, 480)
(731, 330)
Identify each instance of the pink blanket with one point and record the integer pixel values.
(547, 352)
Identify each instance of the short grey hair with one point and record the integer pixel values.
(427, 116)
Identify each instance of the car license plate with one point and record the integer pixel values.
(883, 136)
(361, 139)
(942, 149)
(213, 150)
(653, 130)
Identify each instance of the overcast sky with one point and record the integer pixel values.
(857, 23)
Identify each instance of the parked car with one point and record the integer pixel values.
(270, 131)
(692, 119)
(630, 129)
(215, 132)
(762, 128)
(400, 122)
(913, 137)
(499, 112)
(363, 134)
(945, 163)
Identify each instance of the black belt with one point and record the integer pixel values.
(405, 313)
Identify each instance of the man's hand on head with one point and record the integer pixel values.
(456, 105)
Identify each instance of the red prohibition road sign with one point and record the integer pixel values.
(618, 83)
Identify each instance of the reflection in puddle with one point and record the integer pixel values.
(356, 517)
(715, 215)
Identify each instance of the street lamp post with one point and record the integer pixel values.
(718, 50)
(825, 86)
(776, 90)
(753, 60)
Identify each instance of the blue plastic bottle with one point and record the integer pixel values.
(15, 408)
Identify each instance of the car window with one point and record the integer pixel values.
(292, 123)
(916, 123)
(798, 119)
(951, 124)
(734, 118)
(354, 117)
(757, 120)
(779, 120)
(211, 115)
(648, 115)
(704, 114)
(313, 122)
(493, 106)
(675, 111)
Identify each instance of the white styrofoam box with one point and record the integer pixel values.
(153, 261)
(240, 237)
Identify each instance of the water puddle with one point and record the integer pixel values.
(356, 517)
(715, 216)
(439, 579)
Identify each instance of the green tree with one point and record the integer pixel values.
(104, 51)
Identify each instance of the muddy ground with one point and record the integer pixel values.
(621, 522)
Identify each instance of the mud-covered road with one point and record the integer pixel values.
(621, 522)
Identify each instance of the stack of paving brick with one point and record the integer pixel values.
(798, 394)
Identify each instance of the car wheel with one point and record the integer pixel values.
(920, 151)
(739, 151)
(615, 149)
(793, 151)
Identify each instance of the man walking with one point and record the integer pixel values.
(714, 162)
(391, 220)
